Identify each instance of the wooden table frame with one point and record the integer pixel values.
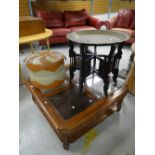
(70, 130)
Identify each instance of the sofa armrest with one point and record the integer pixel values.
(95, 22)
(133, 34)
(110, 23)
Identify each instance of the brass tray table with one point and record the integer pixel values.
(108, 63)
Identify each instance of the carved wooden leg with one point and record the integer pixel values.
(66, 145)
(72, 61)
(71, 73)
(71, 68)
(81, 86)
(117, 58)
(83, 66)
(115, 76)
(106, 86)
(81, 80)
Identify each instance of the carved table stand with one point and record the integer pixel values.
(107, 63)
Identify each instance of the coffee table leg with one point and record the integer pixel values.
(66, 145)
(119, 105)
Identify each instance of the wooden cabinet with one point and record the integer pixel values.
(24, 8)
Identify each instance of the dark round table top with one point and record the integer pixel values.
(98, 37)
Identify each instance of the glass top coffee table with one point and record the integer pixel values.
(72, 113)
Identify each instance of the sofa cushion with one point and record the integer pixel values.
(75, 18)
(130, 32)
(78, 28)
(52, 19)
(124, 18)
(57, 32)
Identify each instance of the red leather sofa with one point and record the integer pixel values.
(124, 22)
(62, 23)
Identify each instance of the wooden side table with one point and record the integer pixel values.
(36, 37)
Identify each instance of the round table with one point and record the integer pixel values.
(36, 37)
(107, 63)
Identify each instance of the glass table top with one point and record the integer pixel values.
(71, 101)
